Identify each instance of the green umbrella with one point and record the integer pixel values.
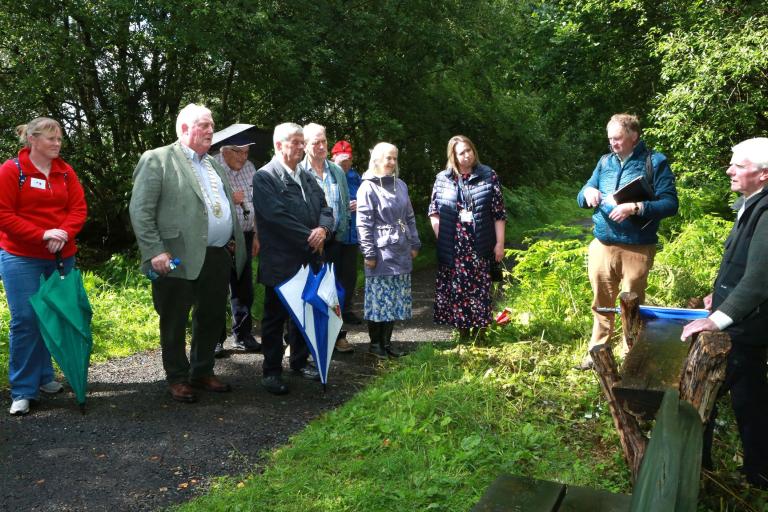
(64, 317)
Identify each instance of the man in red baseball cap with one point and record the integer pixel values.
(350, 250)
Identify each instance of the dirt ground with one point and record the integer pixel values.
(138, 450)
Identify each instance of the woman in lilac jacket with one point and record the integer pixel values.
(389, 241)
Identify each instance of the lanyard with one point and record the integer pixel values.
(465, 194)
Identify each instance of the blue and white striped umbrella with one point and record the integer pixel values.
(314, 302)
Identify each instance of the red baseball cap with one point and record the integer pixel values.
(342, 148)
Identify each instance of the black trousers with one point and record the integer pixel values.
(349, 256)
(272, 325)
(745, 378)
(241, 295)
(206, 297)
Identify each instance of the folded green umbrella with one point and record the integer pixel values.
(64, 317)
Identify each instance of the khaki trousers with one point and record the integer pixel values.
(615, 268)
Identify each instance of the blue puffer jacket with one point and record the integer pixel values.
(445, 194)
(608, 176)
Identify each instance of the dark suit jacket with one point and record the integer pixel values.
(285, 220)
(168, 212)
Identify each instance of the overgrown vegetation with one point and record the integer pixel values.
(434, 430)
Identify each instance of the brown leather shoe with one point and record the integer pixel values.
(342, 345)
(182, 392)
(211, 383)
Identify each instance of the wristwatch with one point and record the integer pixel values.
(637, 208)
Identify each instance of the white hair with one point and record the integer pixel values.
(189, 116)
(377, 153)
(312, 129)
(285, 131)
(755, 150)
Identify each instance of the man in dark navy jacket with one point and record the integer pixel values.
(739, 305)
(294, 222)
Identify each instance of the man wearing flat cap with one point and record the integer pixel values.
(233, 157)
(181, 207)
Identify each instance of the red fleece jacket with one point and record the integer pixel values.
(40, 204)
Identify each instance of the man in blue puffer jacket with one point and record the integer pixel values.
(621, 255)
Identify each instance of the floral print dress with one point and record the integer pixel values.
(463, 290)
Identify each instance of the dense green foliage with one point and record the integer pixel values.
(532, 82)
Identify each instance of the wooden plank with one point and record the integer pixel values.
(585, 499)
(654, 364)
(520, 494)
(670, 473)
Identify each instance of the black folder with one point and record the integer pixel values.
(636, 190)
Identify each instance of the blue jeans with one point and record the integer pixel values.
(30, 362)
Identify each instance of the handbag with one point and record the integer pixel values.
(497, 271)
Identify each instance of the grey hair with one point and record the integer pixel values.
(35, 127)
(755, 150)
(313, 128)
(285, 131)
(189, 116)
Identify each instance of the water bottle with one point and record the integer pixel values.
(152, 275)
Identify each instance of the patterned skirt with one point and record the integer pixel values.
(463, 290)
(388, 298)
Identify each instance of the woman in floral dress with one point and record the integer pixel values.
(386, 227)
(468, 217)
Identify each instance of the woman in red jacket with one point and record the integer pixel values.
(42, 209)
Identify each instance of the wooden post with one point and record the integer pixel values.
(630, 317)
(633, 442)
(704, 371)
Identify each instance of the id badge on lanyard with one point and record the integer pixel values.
(465, 214)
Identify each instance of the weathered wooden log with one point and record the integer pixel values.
(633, 442)
(630, 317)
(704, 371)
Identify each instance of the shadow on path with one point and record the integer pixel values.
(138, 450)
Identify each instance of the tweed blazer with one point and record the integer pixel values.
(169, 214)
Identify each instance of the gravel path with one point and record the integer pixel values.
(138, 450)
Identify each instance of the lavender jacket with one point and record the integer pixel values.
(386, 225)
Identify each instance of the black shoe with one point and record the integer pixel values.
(246, 345)
(377, 351)
(353, 319)
(307, 372)
(391, 352)
(218, 351)
(275, 385)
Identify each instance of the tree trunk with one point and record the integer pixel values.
(630, 317)
(633, 442)
(704, 371)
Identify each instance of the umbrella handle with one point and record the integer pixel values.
(60, 264)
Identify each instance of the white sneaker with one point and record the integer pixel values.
(52, 387)
(19, 407)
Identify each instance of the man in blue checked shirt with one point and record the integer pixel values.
(234, 158)
(330, 177)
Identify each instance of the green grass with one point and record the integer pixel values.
(434, 430)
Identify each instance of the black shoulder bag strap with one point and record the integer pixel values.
(649, 172)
